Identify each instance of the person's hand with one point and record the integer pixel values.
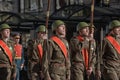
(98, 74)
(89, 71)
(41, 75)
(45, 36)
(22, 65)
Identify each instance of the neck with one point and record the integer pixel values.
(5, 39)
(62, 36)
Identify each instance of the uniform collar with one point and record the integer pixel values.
(60, 37)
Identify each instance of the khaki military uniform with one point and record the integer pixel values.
(111, 61)
(7, 69)
(78, 67)
(55, 65)
(34, 60)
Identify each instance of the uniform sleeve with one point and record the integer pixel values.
(74, 45)
(67, 62)
(104, 44)
(13, 62)
(68, 65)
(93, 54)
(46, 59)
(14, 65)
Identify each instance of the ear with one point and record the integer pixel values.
(80, 32)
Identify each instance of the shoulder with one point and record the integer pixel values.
(74, 40)
(105, 40)
(50, 41)
(10, 42)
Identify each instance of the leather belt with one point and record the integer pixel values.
(17, 57)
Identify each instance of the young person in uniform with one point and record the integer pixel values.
(35, 54)
(56, 61)
(7, 54)
(111, 52)
(82, 60)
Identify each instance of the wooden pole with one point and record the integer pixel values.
(90, 29)
(48, 13)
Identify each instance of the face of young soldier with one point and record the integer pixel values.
(116, 31)
(41, 35)
(61, 30)
(5, 33)
(84, 31)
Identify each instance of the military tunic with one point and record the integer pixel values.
(78, 66)
(55, 65)
(34, 61)
(7, 69)
(111, 60)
